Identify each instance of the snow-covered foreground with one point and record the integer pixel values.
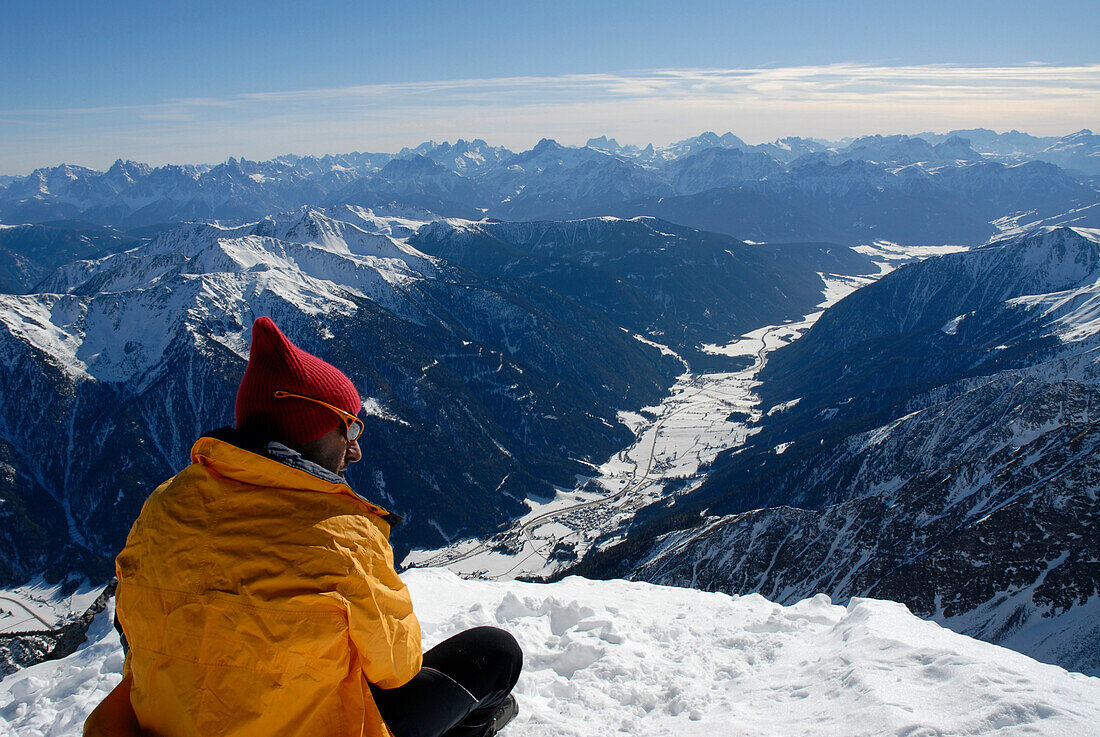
(54, 698)
(615, 657)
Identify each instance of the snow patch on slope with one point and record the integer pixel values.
(1073, 315)
(42, 322)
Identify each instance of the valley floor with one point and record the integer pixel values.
(703, 415)
(37, 606)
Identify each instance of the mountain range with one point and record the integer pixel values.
(484, 384)
(932, 439)
(930, 189)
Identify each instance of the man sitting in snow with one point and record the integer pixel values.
(257, 591)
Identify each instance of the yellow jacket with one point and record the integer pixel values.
(259, 599)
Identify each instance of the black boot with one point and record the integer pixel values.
(505, 713)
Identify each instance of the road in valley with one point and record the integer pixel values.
(703, 415)
(21, 605)
(708, 396)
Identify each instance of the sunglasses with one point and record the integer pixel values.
(353, 426)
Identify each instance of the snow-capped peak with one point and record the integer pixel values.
(93, 317)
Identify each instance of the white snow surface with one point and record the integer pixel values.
(890, 255)
(37, 605)
(617, 657)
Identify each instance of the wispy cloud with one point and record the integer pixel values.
(655, 105)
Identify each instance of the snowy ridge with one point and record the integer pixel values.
(211, 273)
(1038, 262)
(609, 657)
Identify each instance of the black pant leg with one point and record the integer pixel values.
(427, 706)
(463, 681)
(487, 662)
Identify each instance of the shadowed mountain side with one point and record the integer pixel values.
(29, 252)
(481, 391)
(674, 285)
(931, 439)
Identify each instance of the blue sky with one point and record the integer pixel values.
(199, 81)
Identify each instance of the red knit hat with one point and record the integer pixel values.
(274, 363)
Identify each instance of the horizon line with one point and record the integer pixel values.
(834, 101)
(447, 142)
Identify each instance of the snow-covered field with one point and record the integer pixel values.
(615, 657)
(37, 605)
(702, 415)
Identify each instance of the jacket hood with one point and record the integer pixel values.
(258, 461)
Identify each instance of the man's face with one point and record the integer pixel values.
(333, 451)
